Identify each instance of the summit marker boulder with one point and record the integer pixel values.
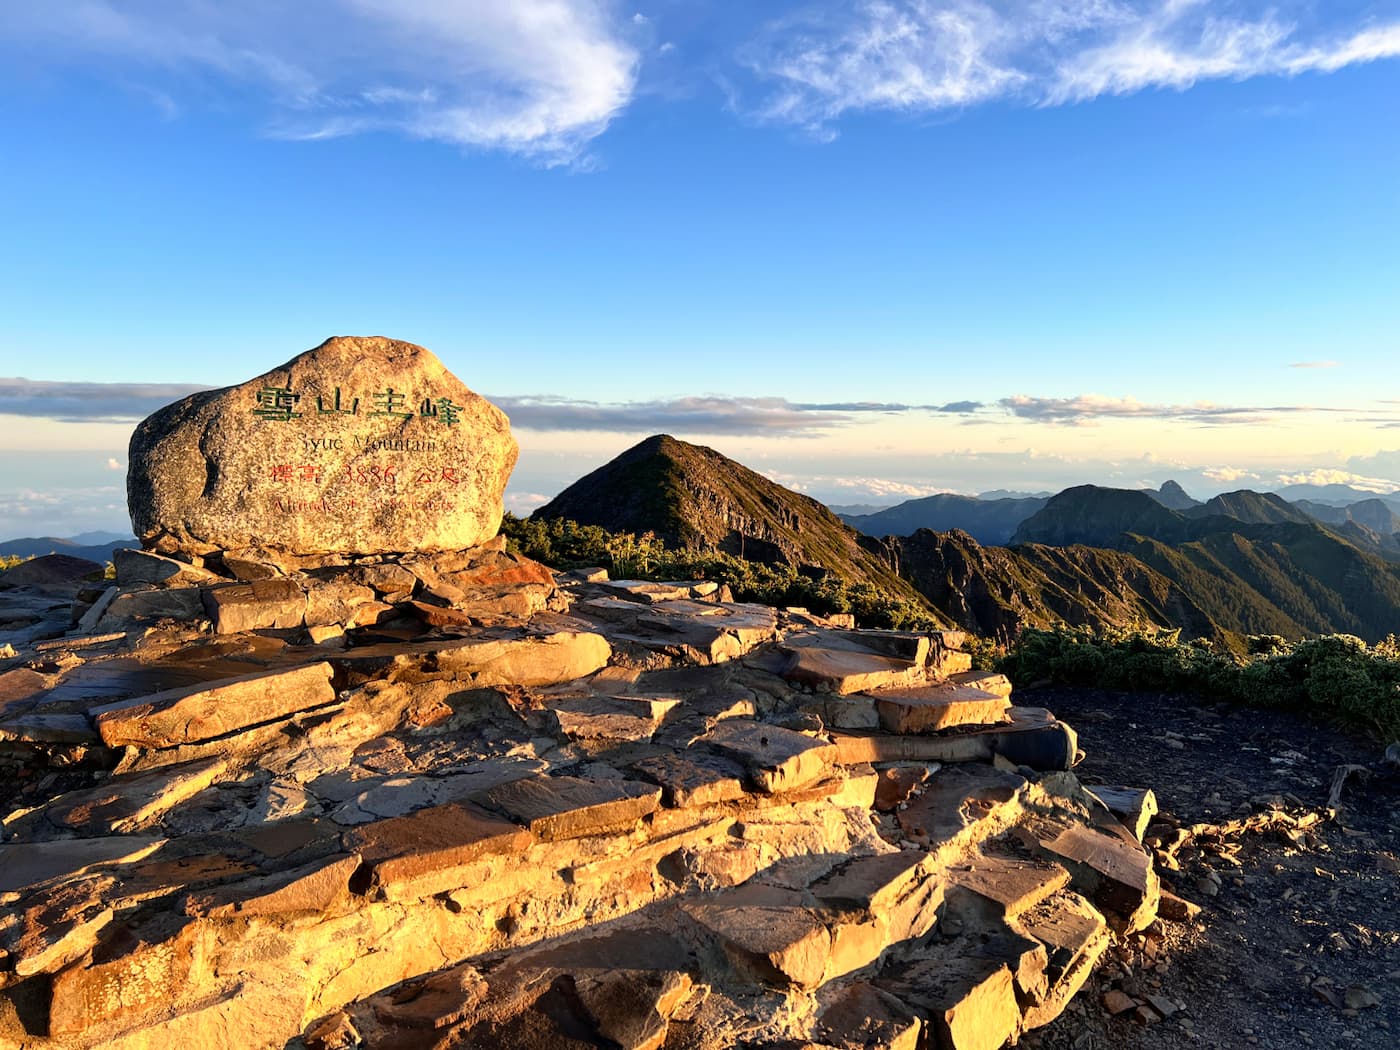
(360, 446)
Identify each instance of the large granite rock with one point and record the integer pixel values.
(360, 446)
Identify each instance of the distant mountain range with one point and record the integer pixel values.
(1241, 563)
(1370, 521)
(95, 546)
(1253, 562)
(985, 520)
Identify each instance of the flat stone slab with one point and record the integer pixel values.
(607, 718)
(648, 592)
(775, 759)
(446, 836)
(129, 803)
(1032, 738)
(962, 805)
(529, 661)
(18, 686)
(971, 1000)
(847, 671)
(314, 887)
(40, 727)
(872, 884)
(182, 716)
(27, 864)
(930, 708)
(767, 945)
(1076, 936)
(862, 1015)
(694, 779)
(987, 681)
(555, 808)
(1012, 883)
(138, 566)
(275, 604)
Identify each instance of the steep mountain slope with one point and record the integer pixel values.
(1370, 524)
(1284, 579)
(997, 591)
(1249, 506)
(986, 521)
(694, 497)
(1097, 516)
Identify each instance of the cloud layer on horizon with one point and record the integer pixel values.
(544, 78)
(86, 402)
(77, 402)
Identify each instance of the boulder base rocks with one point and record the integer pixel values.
(578, 813)
(362, 445)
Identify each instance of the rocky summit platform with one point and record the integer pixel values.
(457, 800)
(306, 774)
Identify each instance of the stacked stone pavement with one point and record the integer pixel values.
(510, 808)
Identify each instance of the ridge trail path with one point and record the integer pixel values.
(1298, 942)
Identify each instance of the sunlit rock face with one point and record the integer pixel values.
(360, 446)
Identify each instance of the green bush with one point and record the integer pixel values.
(1336, 676)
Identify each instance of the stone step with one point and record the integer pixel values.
(1075, 935)
(960, 807)
(563, 807)
(1134, 807)
(1013, 885)
(845, 671)
(182, 716)
(775, 759)
(1111, 870)
(1033, 738)
(987, 681)
(930, 708)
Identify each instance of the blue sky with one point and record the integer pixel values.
(874, 249)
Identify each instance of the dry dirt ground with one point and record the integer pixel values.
(1298, 940)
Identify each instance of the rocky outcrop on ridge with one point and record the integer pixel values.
(582, 813)
(692, 497)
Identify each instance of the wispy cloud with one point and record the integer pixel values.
(921, 56)
(694, 415)
(1316, 364)
(72, 402)
(540, 78)
(1089, 407)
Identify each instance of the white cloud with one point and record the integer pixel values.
(1325, 476)
(880, 488)
(1315, 364)
(113, 463)
(535, 77)
(926, 56)
(1228, 474)
(524, 502)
